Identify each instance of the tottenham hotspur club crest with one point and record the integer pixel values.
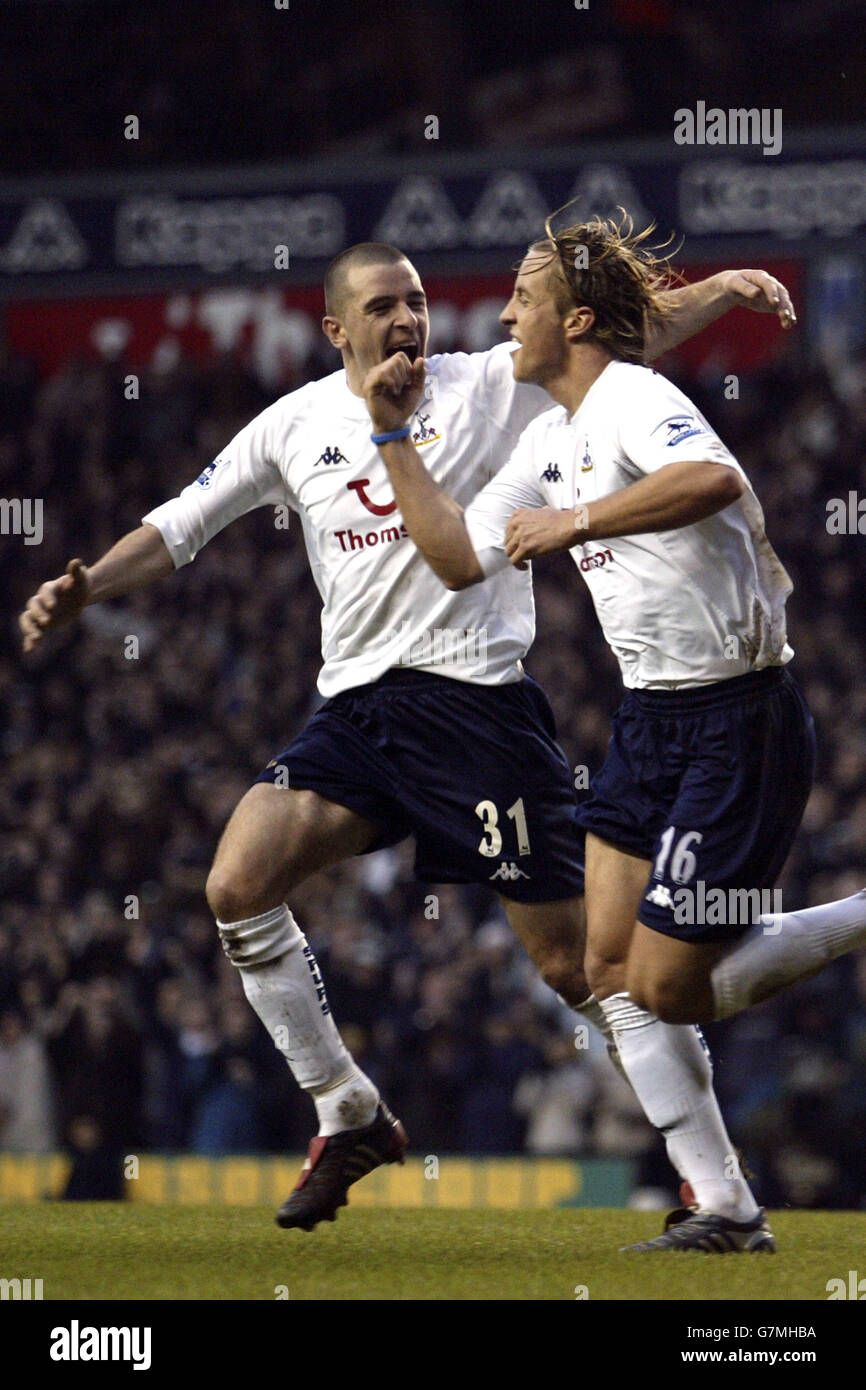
(425, 433)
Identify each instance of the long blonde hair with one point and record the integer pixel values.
(623, 281)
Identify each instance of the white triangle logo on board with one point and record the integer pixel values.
(420, 216)
(601, 189)
(45, 239)
(510, 211)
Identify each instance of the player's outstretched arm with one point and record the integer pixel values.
(693, 307)
(678, 495)
(435, 522)
(136, 560)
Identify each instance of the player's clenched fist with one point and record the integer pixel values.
(393, 391)
(57, 602)
(539, 531)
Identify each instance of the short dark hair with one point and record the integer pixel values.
(365, 253)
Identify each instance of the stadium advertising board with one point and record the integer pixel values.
(112, 233)
(272, 328)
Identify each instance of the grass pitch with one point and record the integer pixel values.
(134, 1251)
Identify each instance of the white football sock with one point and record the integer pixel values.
(784, 947)
(593, 1012)
(282, 982)
(669, 1068)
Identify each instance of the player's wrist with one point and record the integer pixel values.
(390, 434)
(579, 524)
(723, 283)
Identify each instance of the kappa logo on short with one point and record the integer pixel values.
(330, 455)
(508, 873)
(425, 434)
(552, 474)
(661, 896)
(679, 427)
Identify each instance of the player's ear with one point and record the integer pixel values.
(334, 331)
(578, 322)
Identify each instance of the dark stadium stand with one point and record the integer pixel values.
(121, 773)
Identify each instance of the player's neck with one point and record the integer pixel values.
(583, 368)
(354, 375)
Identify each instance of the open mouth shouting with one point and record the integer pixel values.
(410, 349)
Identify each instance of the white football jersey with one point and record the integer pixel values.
(383, 606)
(678, 608)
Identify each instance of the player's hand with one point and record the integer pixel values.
(757, 290)
(57, 602)
(393, 391)
(539, 531)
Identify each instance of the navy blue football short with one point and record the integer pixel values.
(473, 772)
(710, 784)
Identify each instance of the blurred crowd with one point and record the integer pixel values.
(297, 79)
(122, 1025)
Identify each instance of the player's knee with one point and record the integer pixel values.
(603, 975)
(233, 897)
(660, 995)
(222, 897)
(566, 977)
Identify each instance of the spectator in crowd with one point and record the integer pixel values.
(26, 1105)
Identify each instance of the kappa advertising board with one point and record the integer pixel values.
(89, 235)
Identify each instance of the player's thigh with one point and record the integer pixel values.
(553, 935)
(615, 884)
(277, 837)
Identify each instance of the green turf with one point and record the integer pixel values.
(104, 1250)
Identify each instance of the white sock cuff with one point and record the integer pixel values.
(258, 940)
(593, 1012)
(623, 1014)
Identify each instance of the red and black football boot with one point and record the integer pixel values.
(334, 1163)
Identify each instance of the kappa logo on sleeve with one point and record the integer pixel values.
(676, 428)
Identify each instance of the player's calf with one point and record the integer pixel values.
(275, 837)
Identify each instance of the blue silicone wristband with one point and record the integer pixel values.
(392, 434)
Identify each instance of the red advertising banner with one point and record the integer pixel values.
(274, 329)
